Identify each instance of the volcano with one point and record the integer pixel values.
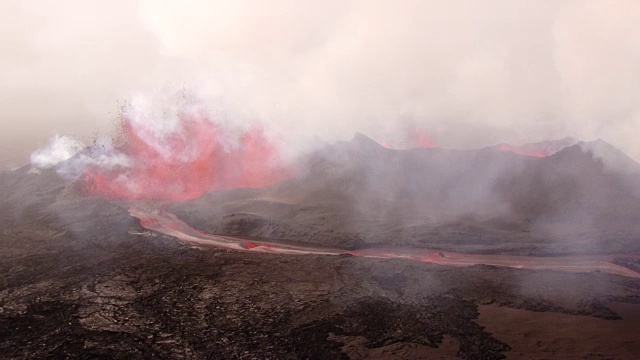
(581, 199)
(362, 252)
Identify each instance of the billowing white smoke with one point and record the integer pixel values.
(152, 117)
(156, 120)
(60, 148)
(71, 157)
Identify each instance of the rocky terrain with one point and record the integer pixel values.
(143, 295)
(80, 278)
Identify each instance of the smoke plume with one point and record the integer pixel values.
(467, 73)
(60, 149)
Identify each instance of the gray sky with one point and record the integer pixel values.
(469, 73)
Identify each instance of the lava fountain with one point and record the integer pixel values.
(184, 157)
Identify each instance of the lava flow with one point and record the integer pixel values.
(414, 138)
(196, 155)
(167, 223)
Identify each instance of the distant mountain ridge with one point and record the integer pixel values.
(358, 192)
(539, 149)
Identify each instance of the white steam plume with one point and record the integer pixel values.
(71, 158)
(60, 148)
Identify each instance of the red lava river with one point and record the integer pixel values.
(157, 219)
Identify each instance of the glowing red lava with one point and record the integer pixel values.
(414, 138)
(420, 139)
(196, 157)
(162, 221)
(524, 151)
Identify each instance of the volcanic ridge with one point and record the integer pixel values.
(81, 277)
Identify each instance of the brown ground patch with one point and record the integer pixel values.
(355, 347)
(535, 335)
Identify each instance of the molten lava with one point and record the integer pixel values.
(420, 139)
(162, 221)
(412, 138)
(196, 156)
(540, 149)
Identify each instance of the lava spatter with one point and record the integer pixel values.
(196, 155)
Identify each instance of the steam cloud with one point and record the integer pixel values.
(60, 149)
(468, 73)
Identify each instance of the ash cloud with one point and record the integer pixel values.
(468, 73)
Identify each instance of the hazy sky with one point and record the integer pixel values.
(469, 73)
